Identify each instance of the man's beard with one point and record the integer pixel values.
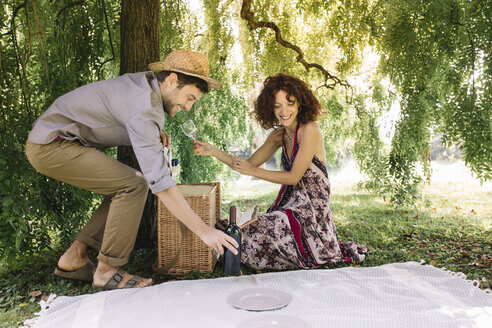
(167, 107)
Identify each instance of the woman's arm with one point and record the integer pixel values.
(206, 149)
(310, 135)
(269, 147)
(273, 142)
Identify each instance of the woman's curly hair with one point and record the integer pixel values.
(309, 106)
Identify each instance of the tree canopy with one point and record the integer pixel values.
(430, 58)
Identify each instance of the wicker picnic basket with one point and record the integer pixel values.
(178, 249)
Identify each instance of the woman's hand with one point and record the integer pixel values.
(202, 148)
(242, 166)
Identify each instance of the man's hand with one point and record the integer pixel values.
(217, 240)
(165, 140)
(179, 207)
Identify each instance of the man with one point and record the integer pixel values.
(127, 110)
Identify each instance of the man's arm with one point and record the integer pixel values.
(178, 206)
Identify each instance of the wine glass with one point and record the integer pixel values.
(189, 129)
(233, 147)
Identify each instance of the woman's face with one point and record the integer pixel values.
(285, 109)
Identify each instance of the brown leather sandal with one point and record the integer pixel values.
(84, 273)
(113, 282)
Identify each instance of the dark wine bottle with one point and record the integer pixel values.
(232, 263)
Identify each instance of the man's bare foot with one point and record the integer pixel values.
(75, 257)
(104, 272)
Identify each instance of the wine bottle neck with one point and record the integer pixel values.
(232, 215)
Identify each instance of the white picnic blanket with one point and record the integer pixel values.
(394, 295)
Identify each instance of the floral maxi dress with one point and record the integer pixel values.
(298, 231)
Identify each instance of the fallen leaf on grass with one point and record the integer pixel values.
(35, 293)
(478, 265)
(487, 258)
(433, 263)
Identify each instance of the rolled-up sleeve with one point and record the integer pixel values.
(144, 132)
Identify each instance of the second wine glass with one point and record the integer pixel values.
(233, 149)
(235, 146)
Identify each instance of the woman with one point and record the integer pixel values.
(297, 231)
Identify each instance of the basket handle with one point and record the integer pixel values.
(164, 269)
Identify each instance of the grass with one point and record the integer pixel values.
(451, 229)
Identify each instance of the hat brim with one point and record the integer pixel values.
(160, 66)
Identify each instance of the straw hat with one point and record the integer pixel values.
(189, 63)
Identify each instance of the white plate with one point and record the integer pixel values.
(259, 299)
(275, 321)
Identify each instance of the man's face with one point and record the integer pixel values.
(176, 99)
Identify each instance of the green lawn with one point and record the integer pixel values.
(453, 231)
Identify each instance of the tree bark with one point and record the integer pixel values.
(139, 47)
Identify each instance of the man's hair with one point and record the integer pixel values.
(309, 106)
(184, 79)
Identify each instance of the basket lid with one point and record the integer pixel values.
(198, 189)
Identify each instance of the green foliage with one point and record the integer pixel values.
(219, 118)
(437, 54)
(370, 156)
(335, 123)
(36, 67)
(221, 115)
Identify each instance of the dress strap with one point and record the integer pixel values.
(294, 144)
(283, 140)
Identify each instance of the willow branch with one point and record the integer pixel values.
(40, 32)
(110, 41)
(472, 44)
(1, 67)
(473, 57)
(452, 13)
(17, 9)
(16, 51)
(26, 58)
(360, 111)
(330, 80)
(68, 6)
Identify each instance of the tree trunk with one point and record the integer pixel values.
(139, 47)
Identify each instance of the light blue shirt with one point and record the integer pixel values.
(124, 111)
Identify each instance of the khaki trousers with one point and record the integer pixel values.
(113, 227)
